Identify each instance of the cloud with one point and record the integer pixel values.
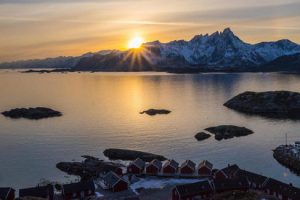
(69, 25)
(58, 1)
(239, 14)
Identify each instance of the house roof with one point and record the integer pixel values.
(188, 163)
(230, 184)
(139, 163)
(193, 188)
(78, 187)
(252, 177)
(206, 164)
(231, 170)
(112, 178)
(156, 163)
(132, 198)
(4, 192)
(172, 163)
(42, 192)
(283, 188)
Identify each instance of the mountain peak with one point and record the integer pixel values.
(227, 31)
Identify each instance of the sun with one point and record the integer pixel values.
(135, 43)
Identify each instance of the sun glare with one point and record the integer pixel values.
(135, 42)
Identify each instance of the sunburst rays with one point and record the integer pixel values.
(138, 58)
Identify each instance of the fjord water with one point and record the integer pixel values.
(101, 110)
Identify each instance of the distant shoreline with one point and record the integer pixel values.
(184, 71)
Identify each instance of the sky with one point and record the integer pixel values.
(48, 28)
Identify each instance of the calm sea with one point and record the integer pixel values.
(101, 110)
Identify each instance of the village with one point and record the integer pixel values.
(205, 183)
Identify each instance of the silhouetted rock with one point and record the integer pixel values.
(202, 136)
(124, 154)
(273, 104)
(32, 113)
(156, 112)
(228, 131)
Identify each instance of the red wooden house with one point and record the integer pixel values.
(227, 172)
(153, 167)
(7, 193)
(187, 167)
(136, 167)
(78, 190)
(45, 192)
(205, 168)
(115, 183)
(119, 171)
(170, 167)
(190, 191)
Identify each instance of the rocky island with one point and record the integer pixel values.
(228, 131)
(272, 104)
(32, 113)
(155, 112)
(202, 136)
(124, 154)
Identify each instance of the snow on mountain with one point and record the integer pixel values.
(217, 51)
(224, 49)
(272, 50)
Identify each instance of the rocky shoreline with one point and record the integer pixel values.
(89, 168)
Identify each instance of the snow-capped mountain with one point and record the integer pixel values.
(220, 51)
(223, 50)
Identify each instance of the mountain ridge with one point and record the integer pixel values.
(219, 51)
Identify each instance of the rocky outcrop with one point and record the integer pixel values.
(155, 112)
(202, 136)
(273, 104)
(32, 113)
(228, 131)
(89, 168)
(124, 154)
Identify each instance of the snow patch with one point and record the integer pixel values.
(98, 195)
(156, 183)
